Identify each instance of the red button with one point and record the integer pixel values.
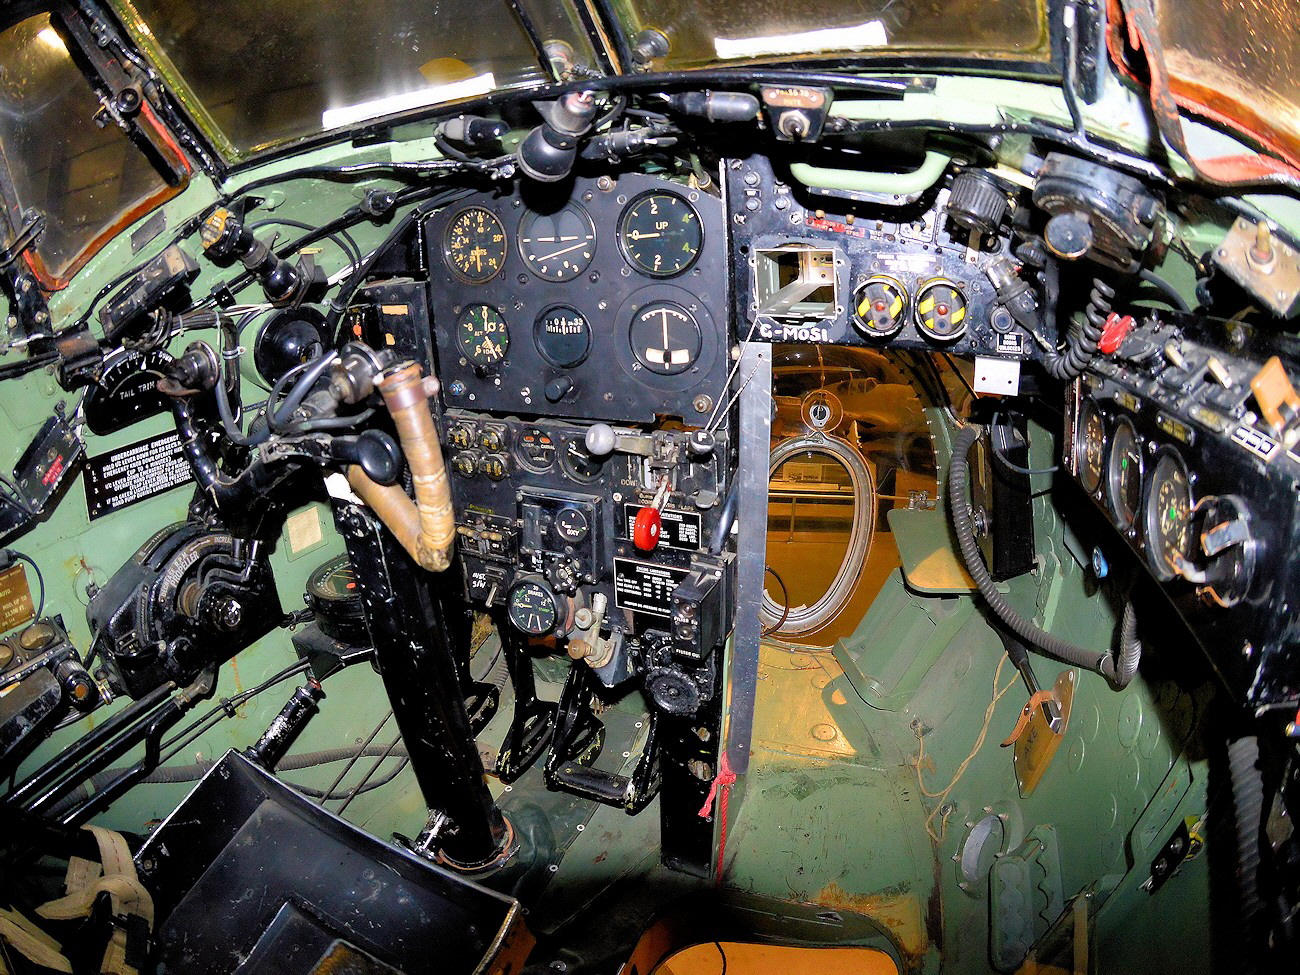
(646, 528)
(1114, 332)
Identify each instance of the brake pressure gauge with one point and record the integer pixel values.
(879, 307)
(532, 606)
(941, 310)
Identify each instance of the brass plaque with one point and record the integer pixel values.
(1034, 749)
(15, 598)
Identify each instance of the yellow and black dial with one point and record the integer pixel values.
(941, 310)
(880, 306)
(475, 245)
(483, 336)
(660, 234)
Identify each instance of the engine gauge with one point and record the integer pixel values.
(660, 234)
(879, 307)
(665, 338)
(1124, 474)
(1169, 516)
(557, 246)
(482, 335)
(577, 461)
(941, 310)
(1090, 447)
(535, 450)
(533, 607)
(474, 245)
(563, 336)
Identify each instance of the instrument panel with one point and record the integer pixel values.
(1165, 443)
(605, 300)
(864, 269)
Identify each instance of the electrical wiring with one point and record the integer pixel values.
(943, 809)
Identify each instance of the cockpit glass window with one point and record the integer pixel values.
(87, 180)
(260, 73)
(709, 31)
(1247, 67)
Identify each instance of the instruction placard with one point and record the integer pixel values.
(134, 473)
(15, 598)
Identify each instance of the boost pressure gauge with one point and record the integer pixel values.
(1169, 516)
(1090, 447)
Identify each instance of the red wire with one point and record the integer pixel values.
(725, 779)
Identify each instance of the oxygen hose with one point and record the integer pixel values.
(425, 527)
(959, 509)
(1248, 813)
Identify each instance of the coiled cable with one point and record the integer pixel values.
(1085, 336)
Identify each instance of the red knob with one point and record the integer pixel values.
(1114, 332)
(646, 528)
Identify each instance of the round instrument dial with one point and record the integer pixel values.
(1090, 447)
(571, 525)
(941, 310)
(557, 246)
(660, 234)
(482, 335)
(535, 450)
(1124, 474)
(475, 245)
(1169, 516)
(879, 307)
(563, 336)
(665, 338)
(532, 607)
(577, 461)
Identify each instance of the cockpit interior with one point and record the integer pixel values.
(649, 486)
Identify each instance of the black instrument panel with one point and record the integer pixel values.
(606, 300)
(842, 268)
(1163, 441)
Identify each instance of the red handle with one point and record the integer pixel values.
(646, 528)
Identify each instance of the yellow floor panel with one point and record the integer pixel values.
(731, 958)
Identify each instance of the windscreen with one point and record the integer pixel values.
(700, 32)
(1246, 67)
(261, 73)
(87, 180)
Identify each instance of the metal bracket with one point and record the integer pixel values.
(28, 234)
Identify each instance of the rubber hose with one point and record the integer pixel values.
(1084, 337)
(172, 774)
(1130, 648)
(958, 507)
(1248, 813)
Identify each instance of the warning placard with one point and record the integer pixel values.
(136, 472)
(15, 598)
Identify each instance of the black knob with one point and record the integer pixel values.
(559, 388)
